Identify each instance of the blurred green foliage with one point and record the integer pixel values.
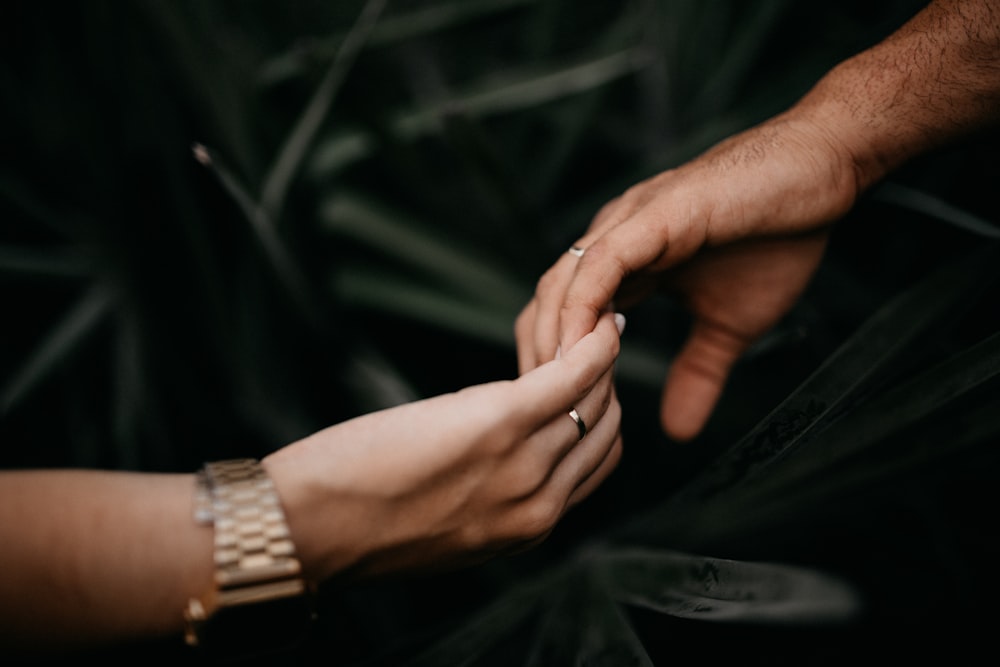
(224, 225)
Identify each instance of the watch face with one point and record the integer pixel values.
(259, 627)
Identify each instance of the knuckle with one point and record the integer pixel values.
(581, 384)
(538, 518)
(639, 195)
(473, 535)
(526, 481)
(546, 283)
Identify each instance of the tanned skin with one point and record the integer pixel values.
(737, 233)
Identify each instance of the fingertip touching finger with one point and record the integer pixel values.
(649, 238)
(587, 294)
(549, 294)
(538, 330)
(555, 386)
(598, 349)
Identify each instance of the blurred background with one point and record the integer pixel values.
(225, 225)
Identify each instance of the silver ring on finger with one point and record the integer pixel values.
(576, 251)
(580, 425)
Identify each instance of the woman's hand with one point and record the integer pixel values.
(457, 478)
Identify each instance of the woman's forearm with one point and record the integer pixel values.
(92, 556)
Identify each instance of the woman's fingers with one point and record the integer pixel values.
(651, 238)
(578, 450)
(573, 409)
(558, 468)
(537, 327)
(555, 387)
(586, 466)
(578, 426)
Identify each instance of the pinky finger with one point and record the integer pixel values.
(599, 475)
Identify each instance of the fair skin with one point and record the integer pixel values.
(91, 557)
(738, 232)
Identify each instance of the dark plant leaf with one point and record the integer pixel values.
(738, 56)
(587, 627)
(190, 43)
(374, 382)
(518, 91)
(64, 339)
(924, 458)
(935, 207)
(51, 262)
(281, 259)
(899, 408)
(876, 351)
(716, 589)
(481, 632)
(302, 137)
(425, 249)
(391, 29)
(380, 291)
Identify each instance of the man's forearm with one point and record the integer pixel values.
(934, 80)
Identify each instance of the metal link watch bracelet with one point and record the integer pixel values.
(260, 601)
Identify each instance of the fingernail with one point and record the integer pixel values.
(620, 323)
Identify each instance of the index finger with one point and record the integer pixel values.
(653, 237)
(636, 243)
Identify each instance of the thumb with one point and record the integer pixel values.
(696, 379)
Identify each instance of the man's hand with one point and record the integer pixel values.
(935, 79)
(736, 234)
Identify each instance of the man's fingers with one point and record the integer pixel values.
(638, 243)
(696, 380)
(549, 294)
(589, 292)
(524, 335)
(688, 400)
(537, 327)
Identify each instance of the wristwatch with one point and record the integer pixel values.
(260, 602)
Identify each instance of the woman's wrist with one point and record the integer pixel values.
(324, 536)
